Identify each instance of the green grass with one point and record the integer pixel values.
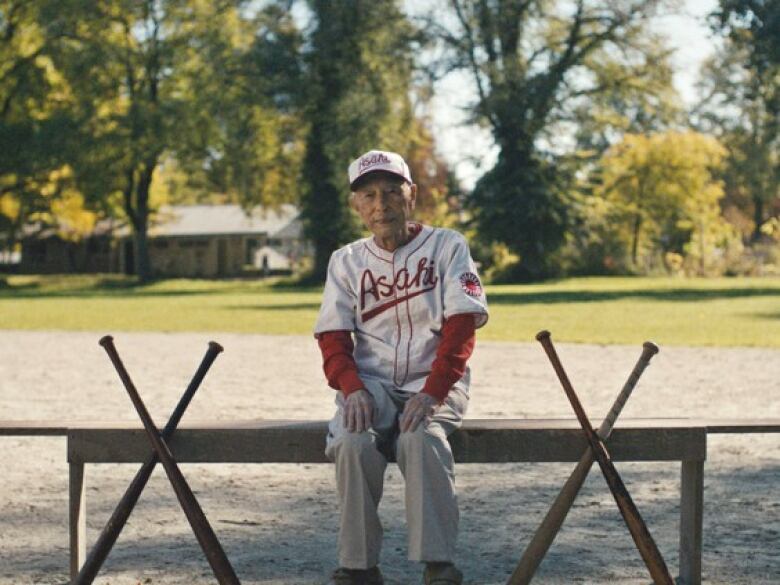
(670, 311)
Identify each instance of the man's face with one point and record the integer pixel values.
(385, 203)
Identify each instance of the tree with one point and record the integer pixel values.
(660, 194)
(741, 105)
(359, 68)
(245, 136)
(162, 80)
(123, 60)
(734, 108)
(532, 62)
(35, 122)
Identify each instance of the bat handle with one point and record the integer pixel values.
(214, 349)
(649, 349)
(544, 338)
(107, 342)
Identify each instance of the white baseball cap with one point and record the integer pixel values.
(378, 160)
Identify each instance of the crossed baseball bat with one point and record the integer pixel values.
(545, 534)
(213, 551)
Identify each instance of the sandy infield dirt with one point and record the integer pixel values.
(278, 523)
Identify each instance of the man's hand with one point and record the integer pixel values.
(418, 407)
(358, 411)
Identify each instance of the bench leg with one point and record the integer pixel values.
(78, 519)
(691, 520)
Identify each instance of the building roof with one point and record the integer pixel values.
(202, 220)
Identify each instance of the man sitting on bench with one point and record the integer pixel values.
(411, 297)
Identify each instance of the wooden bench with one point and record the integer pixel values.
(477, 441)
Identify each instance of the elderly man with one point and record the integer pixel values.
(410, 296)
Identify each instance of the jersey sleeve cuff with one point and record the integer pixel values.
(438, 390)
(349, 381)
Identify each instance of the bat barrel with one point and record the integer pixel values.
(214, 349)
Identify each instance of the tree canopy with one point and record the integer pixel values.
(533, 64)
(111, 108)
(661, 195)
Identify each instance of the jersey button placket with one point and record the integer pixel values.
(397, 321)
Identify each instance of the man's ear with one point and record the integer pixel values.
(352, 202)
(413, 195)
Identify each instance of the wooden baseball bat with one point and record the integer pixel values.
(217, 558)
(636, 526)
(550, 526)
(124, 508)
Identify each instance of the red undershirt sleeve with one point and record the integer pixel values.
(338, 363)
(457, 344)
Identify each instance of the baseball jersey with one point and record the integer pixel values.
(396, 302)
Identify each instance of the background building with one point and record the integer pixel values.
(184, 241)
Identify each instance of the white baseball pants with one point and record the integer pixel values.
(425, 460)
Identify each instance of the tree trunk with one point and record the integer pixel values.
(141, 243)
(635, 238)
(325, 210)
(141, 254)
(758, 216)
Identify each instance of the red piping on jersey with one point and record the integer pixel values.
(374, 254)
(398, 325)
(421, 244)
(414, 229)
(408, 312)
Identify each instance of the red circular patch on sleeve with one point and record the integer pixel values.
(470, 284)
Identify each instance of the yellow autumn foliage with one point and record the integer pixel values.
(74, 221)
(661, 191)
(9, 206)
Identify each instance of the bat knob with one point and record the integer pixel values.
(650, 347)
(214, 346)
(106, 340)
(544, 334)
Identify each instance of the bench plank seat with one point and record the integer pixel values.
(713, 425)
(477, 441)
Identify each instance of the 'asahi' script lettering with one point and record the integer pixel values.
(377, 288)
(374, 159)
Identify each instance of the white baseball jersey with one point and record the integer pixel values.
(396, 302)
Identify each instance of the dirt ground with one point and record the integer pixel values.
(278, 523)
